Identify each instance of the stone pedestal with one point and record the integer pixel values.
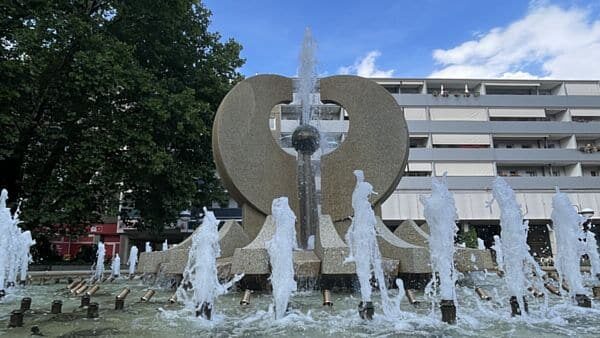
(465, 259)
(174, 260)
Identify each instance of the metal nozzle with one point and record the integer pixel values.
(483, 295)
(327, 298)
(123, 294)
(148, 295)
(410, 295)
(81, 290)
(93, 290)
(246, 297)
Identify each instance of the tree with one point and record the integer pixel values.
(103, 97)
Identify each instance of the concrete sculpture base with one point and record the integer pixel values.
(326, 259)
(173, 261)
(465, 259)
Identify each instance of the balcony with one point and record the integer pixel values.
(518, 183)
(536, 156)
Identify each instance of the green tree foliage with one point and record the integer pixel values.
(103, 97)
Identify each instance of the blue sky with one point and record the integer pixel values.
(457, 38)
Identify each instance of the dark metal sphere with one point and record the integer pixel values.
(305, 139)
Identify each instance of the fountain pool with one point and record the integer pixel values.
(307, 317)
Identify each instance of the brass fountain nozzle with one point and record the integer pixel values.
(123, 294)
(148, 295)
(327, 298)
(412, 298)
(483, 295)
(246, 297)
(93, 290)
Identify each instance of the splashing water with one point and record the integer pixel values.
(148, 247)
(115, 266)
(307, 76)
(165, 245)
(521, 270)
(590, 247)
(566, 222)
(440, 213)
(14, 246)
(99, 262)
(499, 253)
(280, 249)
(363, 248)
(26, 242)
(133, 258)
(200, 285)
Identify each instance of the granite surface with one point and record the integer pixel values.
(174, 260)
(376, 143)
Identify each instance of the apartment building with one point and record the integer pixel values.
(538, 134)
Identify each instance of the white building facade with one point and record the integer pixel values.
(539, 134)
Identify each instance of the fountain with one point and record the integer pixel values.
(115, 266)
(280, 249)
(99, 271)
(133, 258)
(567, 225)
(441, 214)
(521, 271)
(200, 285)
(257, 173)
(306, 140)
(14, 247)
(364, 250)
(165, 245)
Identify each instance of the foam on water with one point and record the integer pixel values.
(280, 249)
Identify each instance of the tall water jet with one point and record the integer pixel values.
(26, 241)
(440, 213)
(148, 247)
(567, 226)
(165, 245)
(99, 262)
(115, 266)
(14, 246)
(5, 224)
(200, 285)
(280, 249)
(521, 271)
(133, 258)
(364, 250)
(306, 140)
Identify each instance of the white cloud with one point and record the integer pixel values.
(561, 43)
(366, 67)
